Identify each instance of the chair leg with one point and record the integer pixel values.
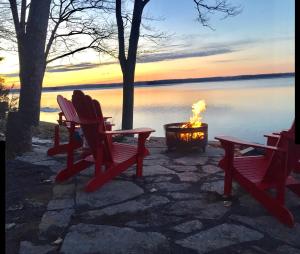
(139, 167)
(65, 174)
(227, 184)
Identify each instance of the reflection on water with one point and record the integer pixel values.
(245, 109)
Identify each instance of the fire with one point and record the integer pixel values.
(195, 122)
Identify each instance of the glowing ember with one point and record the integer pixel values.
(195, 121)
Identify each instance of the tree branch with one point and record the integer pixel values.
(120, 24)
(221, 6)
(14, 11)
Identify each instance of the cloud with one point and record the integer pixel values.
(179, 55)
(10, 75)
(76, 67)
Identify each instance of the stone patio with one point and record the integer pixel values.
(177, 207)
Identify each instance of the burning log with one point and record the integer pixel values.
(188, 135)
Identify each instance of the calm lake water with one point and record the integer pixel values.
(245, 109)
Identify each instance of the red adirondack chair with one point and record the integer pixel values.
(68, 119)
(272, 139)
(257, 174)
(110, 158)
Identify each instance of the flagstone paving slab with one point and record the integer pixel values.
(216, 186)
(189, 226)
(191, 160)
(58, 204)
(210, 169)
(133, 206)
(54, 222)
(111, 193)
(286, 249)
(167, 186)
(62, 191)
(183, 195)
(29, 248)
(273, 228)
(190, 176)
(87, 239)
(156, 170)
(180, 168)
(212, 211)
(219, 237)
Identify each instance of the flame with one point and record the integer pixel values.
(195, 121)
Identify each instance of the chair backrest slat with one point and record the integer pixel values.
(67, 108)
(88, 109)
(279, 168)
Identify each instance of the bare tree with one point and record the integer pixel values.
(66, 22)
(128, 59)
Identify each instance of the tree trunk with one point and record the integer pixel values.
(128, 64)
(128, 101)
(32, 62)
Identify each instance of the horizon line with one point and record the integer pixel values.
(163, 82)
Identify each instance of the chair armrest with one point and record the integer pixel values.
(234, 140)
(83, 121)
(272, 135)
(133, 131)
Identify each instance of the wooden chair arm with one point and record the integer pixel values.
(233, 141)
(133, 131)
(83, 121)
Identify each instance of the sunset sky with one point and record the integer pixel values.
(259, 40)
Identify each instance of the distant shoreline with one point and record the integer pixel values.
(167, 82)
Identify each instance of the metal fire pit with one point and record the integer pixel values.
(185, 138)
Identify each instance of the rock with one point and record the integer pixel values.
(251, 205)
(112, 240)
(41, 141)
(62, 191)
(185, 208)
(157, 150)
(180, 169)
(273, 228)
(189, 226)
(33, 157)
(216, 186)
(156, 170)
(9, 226)
(34, 203)
(285, 249)
(132, 206)
(111, 193)
(162, 162)
(212, 211)
(58, 241)
(292, 199)
(90, 171)
(190, 176)
(28, 248)
(154, 220)
(212, 151)
(210, 169)
(50, 162)
(157, 179)
(54, 222)
(191, 160)
(157, 156)
(219, 237)
(168, 186)
(57, 204)
(183, 195)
